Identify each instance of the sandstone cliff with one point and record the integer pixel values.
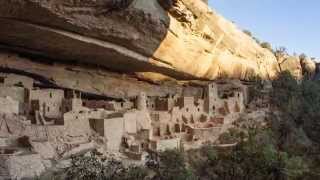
(181, 39)
(89, 79)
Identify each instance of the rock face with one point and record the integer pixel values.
(308, 67)
(89, 79)
(297, 66)
(181, 39)
(291, 64)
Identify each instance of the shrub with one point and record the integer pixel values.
(97, 167)
(302, 56)
(250, 159)
(171, 165)
(298, 102)
(266, 45)
(85, 167)
(135, 173)
(281, 51)
(247, 32)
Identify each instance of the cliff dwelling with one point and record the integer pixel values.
(129, 126)
(126, 79)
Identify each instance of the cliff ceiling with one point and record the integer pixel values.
(156, 39)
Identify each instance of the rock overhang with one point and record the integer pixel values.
(141, 38)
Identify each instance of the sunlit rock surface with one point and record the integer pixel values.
(182, 39)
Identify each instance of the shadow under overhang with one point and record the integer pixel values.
(63, 45)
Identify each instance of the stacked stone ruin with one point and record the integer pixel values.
(129, 126)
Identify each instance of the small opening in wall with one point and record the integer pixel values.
(121, 104)
(48, 109)
(157, 133)
(183, 128)
(177, 128)
(168, 132)
(2, 80)
(20, 84)
(198, 109)
(50, 95)
(187, 109)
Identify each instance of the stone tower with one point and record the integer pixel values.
(141, 101)
(211, 97)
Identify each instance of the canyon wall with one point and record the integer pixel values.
(180, 39)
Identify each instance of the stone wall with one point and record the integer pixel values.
(72, 105)
(9, 106)
(204, 134)
(130, 122)
(98, 104)
(50, 102)
(166, 144)
(114, 131)
(17, 80)
(17, 93)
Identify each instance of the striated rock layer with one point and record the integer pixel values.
(157, 39)
(92, 80)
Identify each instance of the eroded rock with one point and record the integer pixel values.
(291, 64)
(308, 67)
(183, 40)
(88, 79)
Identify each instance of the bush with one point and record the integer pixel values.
(250, 159)
(85, 167)
(247, 32)
(233, 135)
(281, 51)
(266, 45)
(287, 96)
(135, 173)
(170, 165)
(302, 56)
(299, 103)
(97, 167)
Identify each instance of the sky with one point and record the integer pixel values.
(294, 24)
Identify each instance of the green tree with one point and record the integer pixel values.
(252, 158)
(170, 165)
(266, 45)
(302, 56)
(247, 32)
(96, 167)
(298, 102)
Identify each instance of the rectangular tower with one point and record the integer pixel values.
(210, 99)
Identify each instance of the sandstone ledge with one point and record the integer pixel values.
(185, 41)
